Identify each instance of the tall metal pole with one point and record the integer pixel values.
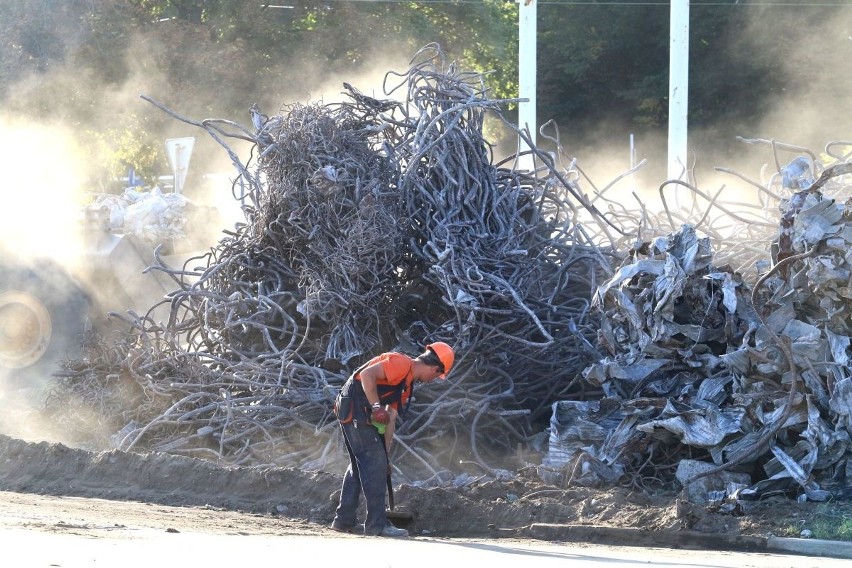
(527, 40)
(678, 89)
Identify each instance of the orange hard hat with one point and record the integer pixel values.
(445, 354)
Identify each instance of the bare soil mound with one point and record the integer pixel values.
(480, 508)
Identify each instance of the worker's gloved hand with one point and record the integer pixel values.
(380, 416)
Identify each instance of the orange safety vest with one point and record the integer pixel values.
(396, 388)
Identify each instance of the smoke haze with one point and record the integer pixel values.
(812, 57)
(53, 116)
(43, 171)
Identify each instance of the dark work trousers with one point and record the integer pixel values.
(367, 472)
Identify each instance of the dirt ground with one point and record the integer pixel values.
(282, 499)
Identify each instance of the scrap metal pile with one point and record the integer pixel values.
(705, 374)
(384, 224)
(371, 225)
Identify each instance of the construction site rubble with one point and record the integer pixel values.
(384, 224)
(153, 216)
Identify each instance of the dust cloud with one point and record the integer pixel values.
(56, 156)
(58, 133)
(43, 169)
(50, 113)
(808, 55)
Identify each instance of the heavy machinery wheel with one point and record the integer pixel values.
(43, 317)
(25, 329)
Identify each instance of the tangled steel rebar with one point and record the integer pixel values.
(371, 225)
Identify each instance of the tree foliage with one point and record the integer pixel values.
(84, 61)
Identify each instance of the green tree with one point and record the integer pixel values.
(480, 36)
(85, 61)
(603, 58)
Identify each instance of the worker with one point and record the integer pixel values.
(366, 408)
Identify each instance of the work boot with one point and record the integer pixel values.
(351, 529)
(393, 531)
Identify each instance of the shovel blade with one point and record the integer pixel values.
(400, 518)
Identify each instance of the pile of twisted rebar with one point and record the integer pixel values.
(371, 225)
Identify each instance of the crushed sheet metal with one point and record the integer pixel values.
(690, 360)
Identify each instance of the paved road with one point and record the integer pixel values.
(64, 532)
(146, 548)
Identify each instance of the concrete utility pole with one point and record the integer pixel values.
(527, 40)
(678, 89)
